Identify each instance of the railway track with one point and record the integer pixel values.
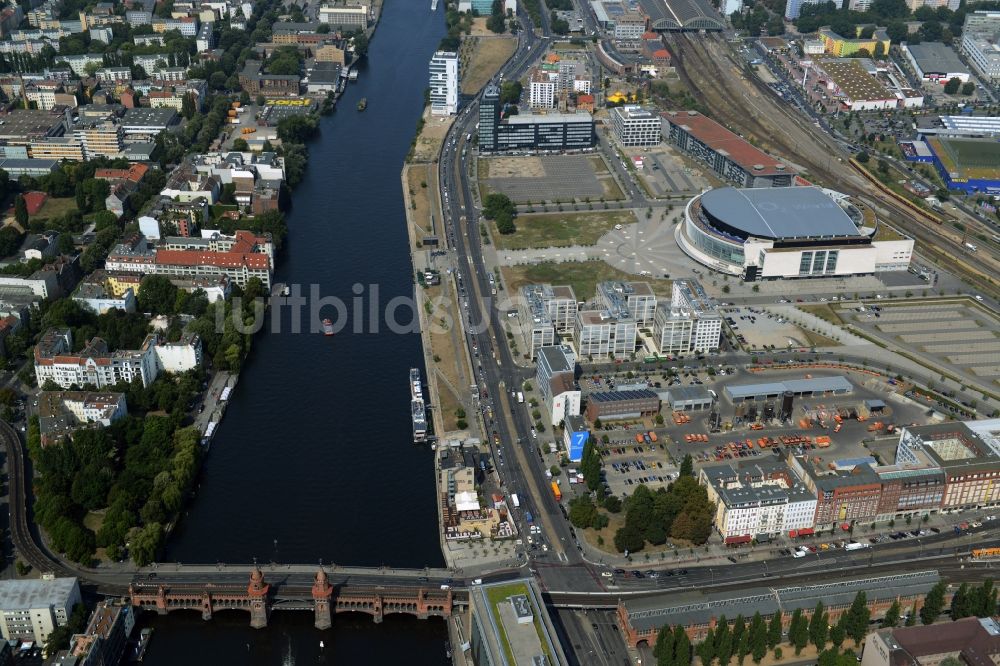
(755, 111)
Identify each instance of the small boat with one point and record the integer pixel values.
(363, 104)
(327, 327)
(285, 291)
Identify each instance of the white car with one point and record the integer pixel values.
(534, 433)
(618, 227)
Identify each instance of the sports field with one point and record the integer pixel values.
(968, 158)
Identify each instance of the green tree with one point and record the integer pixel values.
(682, 647)
(157, 295)
(819, 626)
(839, 631)
(911, 619)
(858, 618)
(984, 600)
(706, 649)
(582, 511)
(758, 637)
(21, 211)
(687, 466)
(663, 650)
(933, 603)
(774, 631)
(240, 145)
(798, 631)
(961, 603)
(951, 87)
(891, 618)
(360, 42)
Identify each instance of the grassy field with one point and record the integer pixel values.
(489, 54)
(415, 175)
(583, 276)
(562, 229)
(823, 311)
(54, 207)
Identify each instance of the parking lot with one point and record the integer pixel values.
(551, 178)
(756, 328)
(667, 174)
(956, 333)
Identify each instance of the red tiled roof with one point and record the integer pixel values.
(718, 138)
(661, 53)
(234, 259)
(580, 99)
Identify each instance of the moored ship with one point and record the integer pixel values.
(418, 409)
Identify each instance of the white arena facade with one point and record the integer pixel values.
(788, 232)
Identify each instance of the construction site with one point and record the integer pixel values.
(723, 85)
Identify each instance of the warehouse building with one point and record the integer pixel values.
(608, 405)
(817, 386)
(640, 619)
(730, 156)
(687, 398)
(936, 62)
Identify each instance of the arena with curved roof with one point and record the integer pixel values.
(768, 233)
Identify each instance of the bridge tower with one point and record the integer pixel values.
(258, 592)
(321, 593)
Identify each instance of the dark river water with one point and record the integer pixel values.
(314, 458)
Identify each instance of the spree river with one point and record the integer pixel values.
(314, 459)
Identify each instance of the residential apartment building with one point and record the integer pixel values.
(541, 90)
(97, 365)
(635, 126)
(638, 297)
(93, 294)
(968, 455)
(444, 83)
(757, 498)
(981, 43)
(61, 413)
(31, 609)
(555, 374)
(602, 333)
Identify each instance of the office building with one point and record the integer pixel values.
(545, 312)
(730, 156)
(981, 43)
(630, 26)
(603, 333)
(31, 609)
(500, 133)
(635, 126)
(348, 18)
(754, 498)
(555, 374)
(970, 641)
(637, 297)
(444, 83)
(510, 625)
(689, 323)
(843, 496)
(968, 455)
(57, 148)
(631, 405)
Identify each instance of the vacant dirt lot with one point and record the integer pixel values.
(429, 142)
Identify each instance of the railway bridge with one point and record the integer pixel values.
(259, 597)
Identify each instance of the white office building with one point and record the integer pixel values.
(556, 378)
(544, 312)
(635, 126)
(32, 609)
(689, 323)
(444, 83)
(981, 42)
(602, 333)
(638, 298)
